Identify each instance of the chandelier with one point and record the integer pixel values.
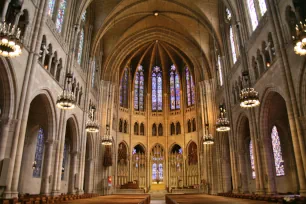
(66, 100)
(248, 96)
(10, 40)
(300, 39)
(107, 138)
(92, 125)
(208, 138)
(223, 124)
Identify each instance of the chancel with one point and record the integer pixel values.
(152, 101)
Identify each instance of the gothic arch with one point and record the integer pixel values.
(72, 122)
(8, 89)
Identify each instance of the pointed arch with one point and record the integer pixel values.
(157, 89)
(190, 88)
(175, 95)
(139, 89)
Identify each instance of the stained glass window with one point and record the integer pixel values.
(228, 14)
(233, 45)
(154, 171)
(220, 70)
(83, 18)
(190, 88)
(93, 74)
(262, 6)
(252, 13)
(160, 171)
(175, 94)
(81, 45)
(157, 89)
(51, 7)
(277, 152)
(61, 15)
(38, 154)
(252, 160)
(124, 88)
(139, 89)
(65, 155)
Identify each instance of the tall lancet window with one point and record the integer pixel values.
(81, 45)
(124, 88)
(262, 6)
(61, 15)
(252, 160)
(93, 73)
(51, 4)
(190, 88)
(139, 89)
(220, 71)
(233, 45)
(277, 152)
(175, 95)
(252, 14)
(38, 160)
(157, 89)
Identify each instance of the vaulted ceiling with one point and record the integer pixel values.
(124, 27)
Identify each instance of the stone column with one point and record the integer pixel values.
(73, 172)
(5, 123)
(46, 179)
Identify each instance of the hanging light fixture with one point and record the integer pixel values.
(223, 124)
(107, 138)
(66, 100)
(208, 139)
(10, 40)
(300, 39)
(92, 125)
(249, 98)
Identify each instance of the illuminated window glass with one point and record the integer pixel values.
(93, 74)
(220, 71)
(83, 16)
(175, 94)
(262, 6)
(51, 7)
(233, 45)
(37, 166)
(228, 14)
(190, 88)
(124, 89)
(157, 89)
(154, 171)
(252, 160)
(81, 45)
(61, 15)
(252, 13)
(139, 90)
(277, 152)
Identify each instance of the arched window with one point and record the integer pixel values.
(124, 88)
(136, 128)
(65, 155)
(160, 130)
(220, 71)
(178, 128)
(252, 14)
(172, 129)
(142, 129)
(139, 90)
(93, 73)
(61, 15)
(38, 159)
(157, 89)
(262, 7)
(190, 88)
(189, 126)
(175, 95)
(233, 45)
(277, 152)
(154, 130)
(252, 160)
(51, 4)
(81, 45)
(194, 126)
